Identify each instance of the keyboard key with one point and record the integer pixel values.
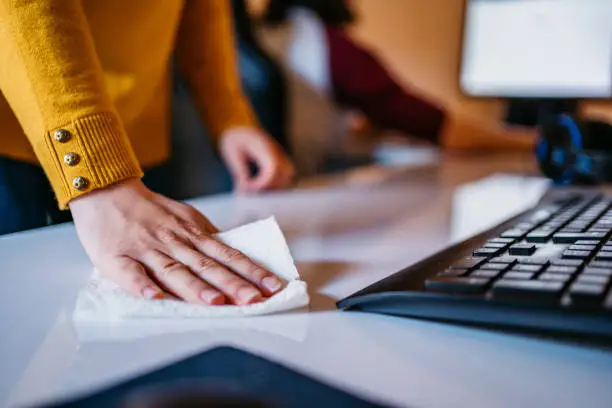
(533, 261)
(586, 294)
(567, 262)
(601, 264)
(504, 259)
(577, 247)
(596, 279)
(486, 252)
(597, 271)
(586, 242)
(495, 266)
(578, 225)
(457, 284)
(570, 238)
(604, 256)
(596, 229)
(453, 272)
(567, 237)
(485, 273)
(527, 268)
(569, 254)
(525, 226)
(522, 249)
(546, 276)
(539, 235)
(467, 263)
(513, 233)
(596, 235)
(527, 289)
(518, 275)
(502, 240)
(566, 270)
(570, 230)
(495, 245)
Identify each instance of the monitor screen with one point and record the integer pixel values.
(537, 48)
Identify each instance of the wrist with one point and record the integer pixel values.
(126, 187)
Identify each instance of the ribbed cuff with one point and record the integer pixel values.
(90, 153)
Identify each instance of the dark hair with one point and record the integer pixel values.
(332, 12)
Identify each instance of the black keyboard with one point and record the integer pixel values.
(546, 270)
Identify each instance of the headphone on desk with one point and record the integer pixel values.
(575, 151)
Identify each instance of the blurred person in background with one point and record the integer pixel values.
(85, 108)
(262, 78)
(331, 76)
(195, 165)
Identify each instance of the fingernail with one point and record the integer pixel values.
(212, 297)
(271, 283)
(151, 293)
(248, 295)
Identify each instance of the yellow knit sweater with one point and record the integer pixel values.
(85, 83)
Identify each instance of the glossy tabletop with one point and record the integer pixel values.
(345, 232)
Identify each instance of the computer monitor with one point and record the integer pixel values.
(555, 49)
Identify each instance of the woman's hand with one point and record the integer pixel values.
(242, 146)
(146, 242)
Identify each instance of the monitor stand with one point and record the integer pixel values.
(534, 112)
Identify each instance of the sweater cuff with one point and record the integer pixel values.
(90, 153)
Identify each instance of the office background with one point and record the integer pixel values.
(421, 41)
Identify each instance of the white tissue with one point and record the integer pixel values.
(262, 241)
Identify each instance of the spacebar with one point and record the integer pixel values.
(528, 289)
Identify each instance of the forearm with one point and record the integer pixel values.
(52, 79)
(413, 115)
(206, 57)
(361, 81)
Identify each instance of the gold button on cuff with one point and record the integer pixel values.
(80, 183)
(72, 159)
(62, 135)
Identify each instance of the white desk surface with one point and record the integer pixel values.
(344, 235)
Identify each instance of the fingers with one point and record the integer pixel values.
(239, 291)
(238, 165)
(132, 276)
(273, 174)
(275, 171)
(265, 177)
(179, 280)
(239, 263)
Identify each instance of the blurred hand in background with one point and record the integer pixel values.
(244, 147)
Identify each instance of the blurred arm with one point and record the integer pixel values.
(206, 58)
(361, 81)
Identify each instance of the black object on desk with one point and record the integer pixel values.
(221, 377)
(553, 276)
(575, 151)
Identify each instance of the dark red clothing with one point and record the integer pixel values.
(361, 81)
